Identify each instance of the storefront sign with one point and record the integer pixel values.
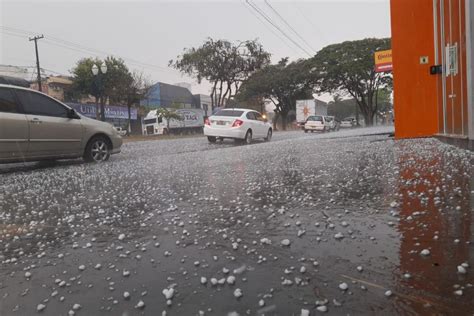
(111, 111)
(383, 61)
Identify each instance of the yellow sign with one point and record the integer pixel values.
(383, 60)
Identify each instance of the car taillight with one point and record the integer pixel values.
(237, 123)
(207, 122)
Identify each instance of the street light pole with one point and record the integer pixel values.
(98, 73)
(36, 38)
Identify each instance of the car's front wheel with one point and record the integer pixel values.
(305, 130)
(211, 139)
(97, 150)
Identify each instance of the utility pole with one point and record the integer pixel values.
(36, 38)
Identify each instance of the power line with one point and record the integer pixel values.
(81, 48)
(269, 20)
(288, 24)
(311, 22)
(268, 28)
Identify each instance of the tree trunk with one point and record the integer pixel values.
(284, 120)
(220, 95)
(213, 97)
(275, 120)
(369, 119)
(357, 115)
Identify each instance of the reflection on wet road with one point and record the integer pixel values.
(328, 223)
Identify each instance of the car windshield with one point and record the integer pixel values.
(150, 121)
(315, 118)
(230, 113)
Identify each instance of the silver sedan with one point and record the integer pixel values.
(34, 126)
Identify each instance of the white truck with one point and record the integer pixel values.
(306, 108)
(155, 124)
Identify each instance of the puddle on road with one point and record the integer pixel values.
(435, 214)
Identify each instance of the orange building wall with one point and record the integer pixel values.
(416, 94)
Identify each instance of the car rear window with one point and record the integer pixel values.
(315, 118)
(232, 113)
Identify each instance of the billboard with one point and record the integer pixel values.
(383, 61)
(111, 111)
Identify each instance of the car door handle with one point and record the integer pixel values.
(36, 121)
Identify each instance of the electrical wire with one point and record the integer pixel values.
(52, 40)
(268, 28)
(289, 26)
(269, 20)
(301, 12)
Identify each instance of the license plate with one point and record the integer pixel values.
(221, 123)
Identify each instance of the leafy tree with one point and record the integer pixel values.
(169, 114)
(224, 64)
(385, 106)
(342, 108)
(282, 84)
(138, 88)
(348, 69)
(112, 86)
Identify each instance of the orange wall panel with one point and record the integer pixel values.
(416, 92)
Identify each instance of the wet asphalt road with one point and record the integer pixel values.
(363, 212)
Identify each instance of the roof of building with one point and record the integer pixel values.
(59, 79)
(14, 81)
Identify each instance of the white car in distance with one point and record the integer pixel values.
(331, 123)
(239, 124)
(316, 123)
(348, 122)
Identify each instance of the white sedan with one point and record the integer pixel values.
(241, 124)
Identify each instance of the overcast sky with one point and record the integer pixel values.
(147, 34)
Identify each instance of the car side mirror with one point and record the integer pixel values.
(71, 113)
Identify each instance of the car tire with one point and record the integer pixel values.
(305, 130)
(211, 139)
(269, 135)
(248, 137)
(97, 149)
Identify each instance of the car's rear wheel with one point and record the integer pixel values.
(97, 150)
(248, 137)
(211, 139)
(269, 135)
(305, 130)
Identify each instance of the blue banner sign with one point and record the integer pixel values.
(111, 111)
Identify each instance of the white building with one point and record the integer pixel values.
(16, 72)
